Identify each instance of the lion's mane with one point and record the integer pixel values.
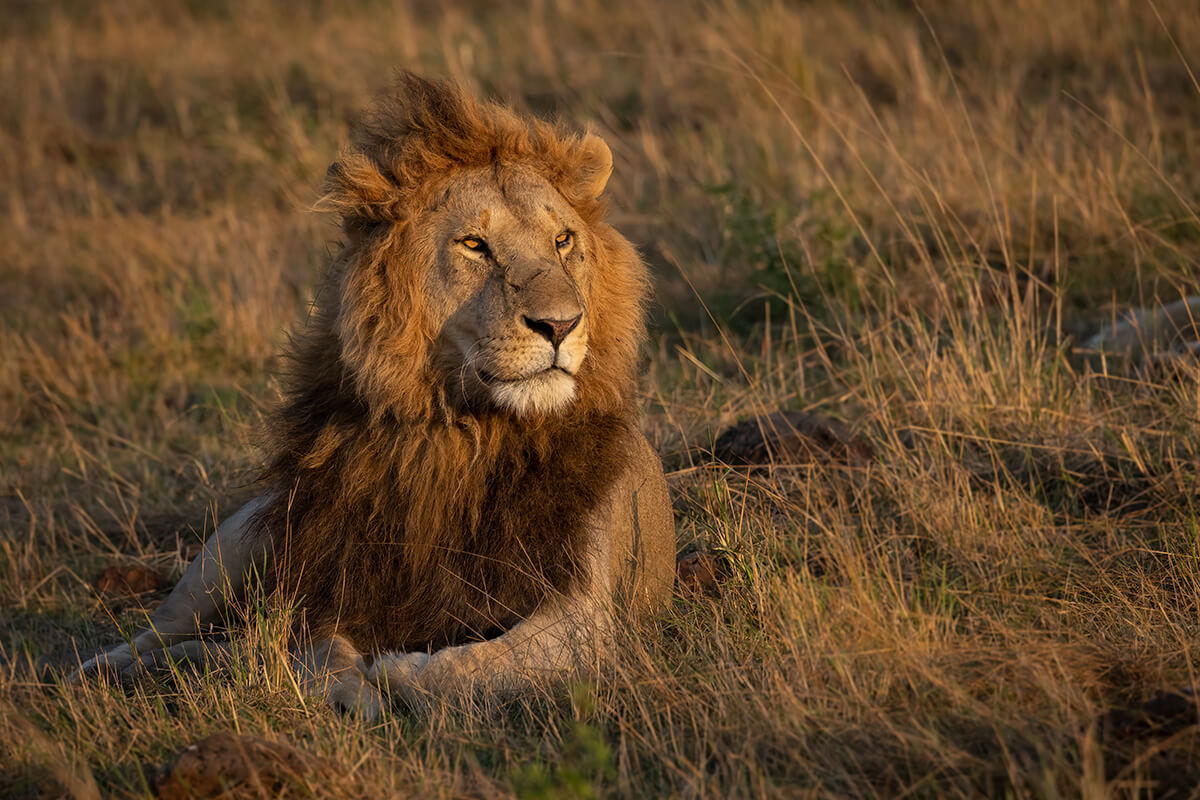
(398, 520)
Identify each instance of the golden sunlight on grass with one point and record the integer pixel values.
(907, 217)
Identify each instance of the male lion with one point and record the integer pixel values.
(457, 492)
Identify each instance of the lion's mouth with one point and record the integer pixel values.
(490, 379)
(545, 391)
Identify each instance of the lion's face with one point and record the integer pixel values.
(478, 274)
(508, 284)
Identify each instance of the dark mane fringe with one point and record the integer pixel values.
(398, 521)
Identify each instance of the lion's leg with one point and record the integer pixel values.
(547, 643)
(214, 579)
(331, 669)
(559, 635)
(195, 654)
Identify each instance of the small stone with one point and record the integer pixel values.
(1163, 714)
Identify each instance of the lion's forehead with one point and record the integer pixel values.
(500, 200)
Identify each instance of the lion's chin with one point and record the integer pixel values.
(544, 393)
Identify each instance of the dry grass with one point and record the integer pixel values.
(905, 219)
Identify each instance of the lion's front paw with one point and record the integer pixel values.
(109, 664)
(350, 693)
(397, 669)
(191, 657)
(405, 677)
(333, 670)
(346, 691)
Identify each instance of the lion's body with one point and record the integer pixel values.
(456, 467)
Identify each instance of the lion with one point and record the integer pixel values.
(456, 491)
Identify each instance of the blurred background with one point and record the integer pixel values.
(159, 159)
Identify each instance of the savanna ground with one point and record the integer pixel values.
(908, 218)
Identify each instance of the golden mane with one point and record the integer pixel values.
(402, 520)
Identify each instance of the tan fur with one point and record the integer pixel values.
(455, 468)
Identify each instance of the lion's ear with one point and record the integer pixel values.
(595, 165)
(355, 188)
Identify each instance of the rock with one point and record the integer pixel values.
(1163, 714)
(790, 437)
(228, 765)
(129, 580)
(698, 572)
(1168, 330)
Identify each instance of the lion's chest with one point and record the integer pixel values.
(428, 560)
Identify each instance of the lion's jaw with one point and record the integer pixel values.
(546, 392)
(516, 331)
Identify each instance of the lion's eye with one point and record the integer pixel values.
(471, 243)
(562, 241)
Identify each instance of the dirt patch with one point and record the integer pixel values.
(790, 437)
(129, 580)
(699, 572)
(228, 765)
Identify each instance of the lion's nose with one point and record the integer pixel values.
(554, 330)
